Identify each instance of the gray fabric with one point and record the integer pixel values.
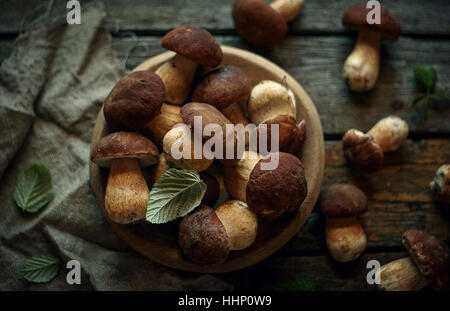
(51, 89)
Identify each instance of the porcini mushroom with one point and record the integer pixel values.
(389, 133)
(211, 115)
(362, 151)
(263, 24)
(268, 192)
(178, 135)
(212, 189)
(134, 101)
(428, 263)
(440, 186)
(362, 66)
(193, 46)
(341, 204)
(223, 87)
(203, 237)
(241, 223)
(366, 151)
(272, 103)
(126, 190)
(158, 127)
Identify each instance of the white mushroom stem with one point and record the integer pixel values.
(389, 133)
(126, 192)
(288, 9)
(345, 238)
(401, 275)
(177, 75)
(362, 66)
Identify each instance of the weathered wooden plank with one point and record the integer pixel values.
(321, 270)
(399, 197)
(316, 62)
(318, 16)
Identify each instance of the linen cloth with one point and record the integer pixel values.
(51, 89)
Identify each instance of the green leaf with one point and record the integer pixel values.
(426, 75)
(33, 188)
(420, 102)
(174, 195)
(297, 284)
(40, 269)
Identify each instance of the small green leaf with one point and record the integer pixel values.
(33, 188)
(426, 75)
(420, 102)
(40, 269)
(296, 284)
(174, 195)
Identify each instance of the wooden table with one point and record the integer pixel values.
(313, 53)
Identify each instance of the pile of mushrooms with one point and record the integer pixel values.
(163, 106)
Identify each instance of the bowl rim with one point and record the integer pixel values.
(249, 258)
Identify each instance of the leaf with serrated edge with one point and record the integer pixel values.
(33, 189)
(174, 195)
(40, 269)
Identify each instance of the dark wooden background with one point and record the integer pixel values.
(313, 53)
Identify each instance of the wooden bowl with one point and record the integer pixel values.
(160, 242)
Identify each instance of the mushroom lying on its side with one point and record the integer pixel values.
(126, 190)
(366, 151)
(429, 263)
(272, 103)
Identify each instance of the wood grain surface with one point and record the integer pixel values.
(313, 53)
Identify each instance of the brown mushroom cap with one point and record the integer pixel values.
(203, 237)
(212, 189)
(124, 145)
(342, 201)
(258, 23)
(271, 193)
(431, 256)
(291, 135)
(210, 115)
(356, 17)
(363, 152)
(223, 87)
(135, 100)
(194, 43)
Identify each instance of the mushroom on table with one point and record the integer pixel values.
(366, 151)
(363, 65)
(126, 190)
(263, 24)
(428, 263)
(341, 204)
(193, 46)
